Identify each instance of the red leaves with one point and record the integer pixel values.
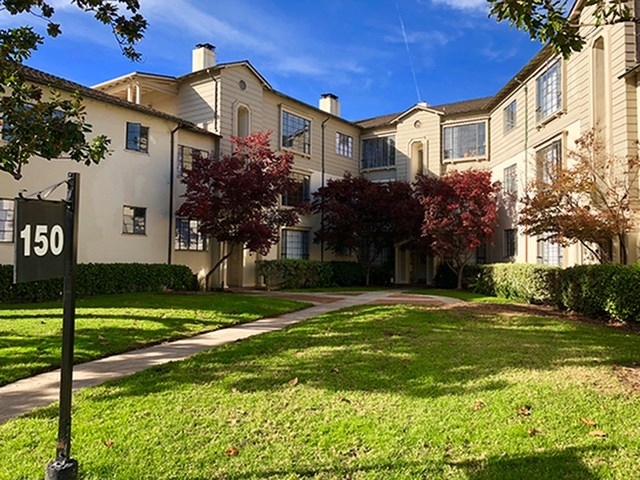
(237, 197)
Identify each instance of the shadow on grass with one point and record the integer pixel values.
(420, 352)
(564, 464)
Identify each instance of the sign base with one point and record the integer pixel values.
(62, 470)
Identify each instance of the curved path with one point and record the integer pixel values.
(40, 390)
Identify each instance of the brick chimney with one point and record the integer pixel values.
(203, 56)
(329, 103)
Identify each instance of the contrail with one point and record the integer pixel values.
(406, 43)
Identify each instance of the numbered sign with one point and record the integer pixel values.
(39, 240)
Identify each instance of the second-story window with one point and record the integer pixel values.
(296, 133)
(344, 145)
(509, 116)
(464, 141)
(185, 158)
(378, 152)
(300, 193)
(549, 92)
(137, 137)
(510, 183)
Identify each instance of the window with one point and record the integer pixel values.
(481, 254)
(244, 120)
(134, 220)
(295, 244)
(510, 242)
(464, 141)
(188, 236)
(344, 145)
(6, 220)
(300, 193)
(296, 133)
(185, 158)
(510, 183)
(137, 137)
(548, 92)
(509, 115)
(549, 253)
(379, 152)
(549, 161)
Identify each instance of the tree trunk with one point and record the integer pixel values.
(216, 266)
(460, 273)
(623, 248)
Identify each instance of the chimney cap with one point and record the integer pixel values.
(329, 95)
(208, 46)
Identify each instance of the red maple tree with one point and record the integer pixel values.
(365, 218)
(460, 214)
(236, 197)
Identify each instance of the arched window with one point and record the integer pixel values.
(243, 119)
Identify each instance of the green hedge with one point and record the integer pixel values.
(101, 279)
(610, 289)
(519, 281)
(294, 273)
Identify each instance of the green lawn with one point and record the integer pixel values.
(373, 392)
(459, 294)
(30, 335)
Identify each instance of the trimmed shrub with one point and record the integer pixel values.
(101, 279)
(347, 274)
(596, 290)
(294, 273)
(520, 282)
(446, 278)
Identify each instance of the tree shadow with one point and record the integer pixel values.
(422, 352)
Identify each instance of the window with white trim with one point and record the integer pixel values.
(185, 158)
(295, 244)
(137, 137)
(510, 183)
(464, 141)
(296, 133)
(188, 235)
(509, 116)
(549, 253)
(300, 193)
(549, 159)
(549, 92)
(344, 145)
(378, 152)
(6, 220)
(134, 220)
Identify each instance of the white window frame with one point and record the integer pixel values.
(510, 181)
(549, 95)
(510, 114)
(137, 137)
(305, 134)
(195, 241)
(451, 152)
(129, 224)
(344, 144)
(7, 218)
(385, 145)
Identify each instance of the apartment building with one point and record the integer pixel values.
(156, 121)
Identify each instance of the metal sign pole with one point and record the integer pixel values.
(64, 467)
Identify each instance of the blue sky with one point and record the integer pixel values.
(378, 56)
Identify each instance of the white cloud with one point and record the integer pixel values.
(466, 5)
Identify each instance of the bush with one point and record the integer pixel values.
(446, 278)
(101, 279)
(294, 273)
(347, 274)
(597, 290)
(518, 281)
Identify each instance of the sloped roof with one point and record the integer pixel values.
(43, 78)
(478, 105)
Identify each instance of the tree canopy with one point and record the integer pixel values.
(585, 200)
(236, 197)
(40, 121)
(460, 214)
(364, 218)
(551, 21)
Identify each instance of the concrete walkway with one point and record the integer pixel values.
(40, 390)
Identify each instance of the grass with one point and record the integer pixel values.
(459, 294)
(30, 335)
(372, 392)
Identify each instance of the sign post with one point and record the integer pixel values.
(47, 247)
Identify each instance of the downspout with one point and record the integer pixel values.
(526, 159)
(172, 173)
(323, 127)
